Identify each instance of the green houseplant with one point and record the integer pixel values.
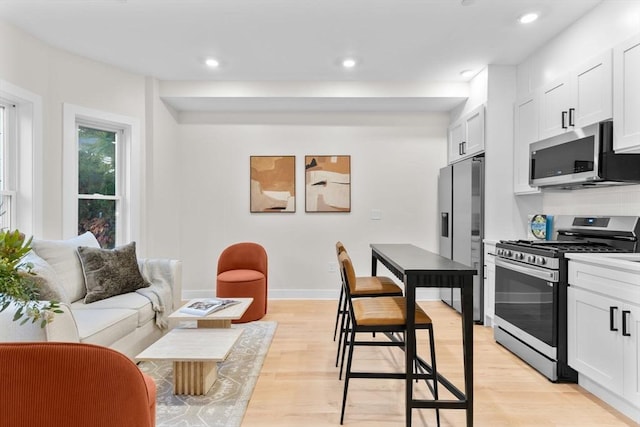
(18, 287)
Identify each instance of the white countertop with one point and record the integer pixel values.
(629, 262)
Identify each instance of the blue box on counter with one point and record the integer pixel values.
(541, 226)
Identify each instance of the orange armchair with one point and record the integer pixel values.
(242, 272)
(72, 385)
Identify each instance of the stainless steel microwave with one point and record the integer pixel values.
(581, 158)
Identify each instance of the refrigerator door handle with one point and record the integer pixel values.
(444, 224)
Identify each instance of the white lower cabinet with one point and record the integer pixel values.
(603, 331)
(594, 349)
(632, 357)
(489, 282)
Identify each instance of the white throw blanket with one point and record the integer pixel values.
(159, 292)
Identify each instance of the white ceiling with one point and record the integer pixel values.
(296, 40)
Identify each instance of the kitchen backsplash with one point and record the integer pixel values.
(623, 200)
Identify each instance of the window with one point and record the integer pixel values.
(20, 159)
(6, 166)
(99, 196)
(100, 180)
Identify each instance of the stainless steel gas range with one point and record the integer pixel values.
(531, 287)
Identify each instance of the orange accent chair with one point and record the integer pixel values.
(72, 385)
(242, 273)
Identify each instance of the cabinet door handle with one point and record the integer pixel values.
(464, 147)
(572, 113)
(625, 317)
(612, 318)
(564, 119)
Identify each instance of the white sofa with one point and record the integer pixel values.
(128, 322)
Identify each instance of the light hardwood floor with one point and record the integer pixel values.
(298, 385)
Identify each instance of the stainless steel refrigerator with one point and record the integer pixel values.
(461, 206)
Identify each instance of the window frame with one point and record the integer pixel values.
(128, 183)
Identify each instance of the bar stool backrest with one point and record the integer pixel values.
(349, 273)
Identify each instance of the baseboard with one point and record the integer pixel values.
(610, 398)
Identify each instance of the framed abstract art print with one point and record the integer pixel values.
(273, 184)
(327, 183)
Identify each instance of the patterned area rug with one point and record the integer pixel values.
(226, 402)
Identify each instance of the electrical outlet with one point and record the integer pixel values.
(333, 267)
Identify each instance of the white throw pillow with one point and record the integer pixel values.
(45, 278)
(63, 257)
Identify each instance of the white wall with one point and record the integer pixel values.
(59, 77)
(395, 160)
(196, 176)
(605, 26)
(163, 178)
(478, 92)
(505, 213)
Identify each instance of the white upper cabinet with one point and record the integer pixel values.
(593, 91)
(466, 135)
(555, 99)
(456, 138)
(525, 132)
(577, 99)
(626, 109)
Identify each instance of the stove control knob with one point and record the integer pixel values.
(531, 259)
(541, 261)
(519, 256)
(498, 251)
(508, 253)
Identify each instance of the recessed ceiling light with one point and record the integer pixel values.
(528, 18)
(349, 63)
(212, 62)
(466, 73)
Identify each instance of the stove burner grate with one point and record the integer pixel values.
(562, 246)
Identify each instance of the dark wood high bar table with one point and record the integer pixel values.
(419, 268)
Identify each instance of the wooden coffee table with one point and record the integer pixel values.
(194, 353)
(217, 319)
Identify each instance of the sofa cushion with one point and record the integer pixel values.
(63, 258)
(110, 272)
(106, 326)
(131, 301)
(44, 277)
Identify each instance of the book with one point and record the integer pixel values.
(204, 306)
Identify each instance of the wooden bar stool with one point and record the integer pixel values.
(387, 315)
(366, 286)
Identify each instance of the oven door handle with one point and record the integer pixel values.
(540, 273)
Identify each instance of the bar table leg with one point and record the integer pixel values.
(410, 343)
(467, 343)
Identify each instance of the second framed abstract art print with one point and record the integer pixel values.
(327, 183)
